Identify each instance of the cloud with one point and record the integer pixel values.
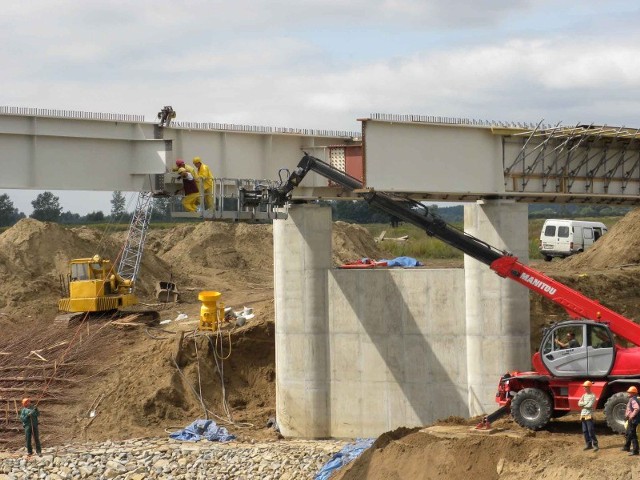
(325, 63)
(276, 63)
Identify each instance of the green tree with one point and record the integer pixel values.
(46, 207)
(68, 217)
(161, 208)
(94, 217)
(8, 213)
(118, 203)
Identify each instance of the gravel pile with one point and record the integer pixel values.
(167, 459)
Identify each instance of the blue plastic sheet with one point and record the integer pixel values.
(203, 429)
(348, 454)
(403, 262)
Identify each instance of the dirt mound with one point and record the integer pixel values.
(194, 248)
(144, 393)
(352, 242)
(620, 246)
(455, 453)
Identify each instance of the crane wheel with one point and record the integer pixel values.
(531, 408)
(614, 410)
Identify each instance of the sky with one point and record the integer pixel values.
(321, 63)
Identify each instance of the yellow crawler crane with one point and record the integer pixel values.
(93, 285)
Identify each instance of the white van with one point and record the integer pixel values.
(561, 238)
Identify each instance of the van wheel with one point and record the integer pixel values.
(548, 258)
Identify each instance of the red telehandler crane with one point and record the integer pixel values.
(554, 386)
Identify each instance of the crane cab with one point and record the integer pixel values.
(92, 285)
(577, 349)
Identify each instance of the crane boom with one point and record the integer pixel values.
(500, 261)
(134, 245)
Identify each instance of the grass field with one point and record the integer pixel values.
(421, 246)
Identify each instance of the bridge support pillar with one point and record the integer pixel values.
(302, 258)
(497, 310)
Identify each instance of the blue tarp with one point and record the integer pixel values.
(203, 429)
(346, 455)
(403, 262)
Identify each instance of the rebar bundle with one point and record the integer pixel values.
(44, 365)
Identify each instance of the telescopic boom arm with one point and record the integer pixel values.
(500, 261)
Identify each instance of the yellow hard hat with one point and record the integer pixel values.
(587, 384)
(182, 170)
(196, 160)
(632, 389)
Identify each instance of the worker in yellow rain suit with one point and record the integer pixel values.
(180, 164)
(191, 194)
(205, 176)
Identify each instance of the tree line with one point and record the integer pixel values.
(357, 211)
(47, 208)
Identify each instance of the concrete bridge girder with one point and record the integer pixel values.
(69, 153)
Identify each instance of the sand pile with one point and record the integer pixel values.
(352, 242)
(144, 393)
(620, 246)
(194, 248)
(455, 453)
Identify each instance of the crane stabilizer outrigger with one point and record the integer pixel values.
(553, 388)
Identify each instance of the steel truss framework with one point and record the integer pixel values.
(587, 163)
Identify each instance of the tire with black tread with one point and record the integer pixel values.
(614, 410)
(531, 408)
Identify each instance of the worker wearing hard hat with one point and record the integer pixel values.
(29, 418)
(206, 179)
(588, 403)
(632, 415)
(191, 194)
(180, 164)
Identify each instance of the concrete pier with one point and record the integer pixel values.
(497, 309)
(302, 249)
(362, 352)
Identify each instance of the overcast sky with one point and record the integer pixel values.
(322, 63)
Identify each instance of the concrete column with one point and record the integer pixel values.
(497, 309)
(302, 257)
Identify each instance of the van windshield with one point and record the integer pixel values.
(550, 231)
(563, 232)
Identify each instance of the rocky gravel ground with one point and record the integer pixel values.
(163, 458)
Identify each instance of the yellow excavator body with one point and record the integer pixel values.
(93, 285)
